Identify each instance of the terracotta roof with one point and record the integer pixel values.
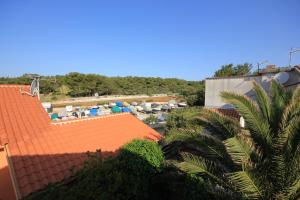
(229, 112)
(42, 152)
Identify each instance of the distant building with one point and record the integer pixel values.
(35, 151)
(289, 77)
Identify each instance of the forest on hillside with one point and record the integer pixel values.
(76, 84)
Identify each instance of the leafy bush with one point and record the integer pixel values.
(195, 96)
(144, 149)
(138, 161)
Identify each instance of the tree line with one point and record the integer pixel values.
(77, 84)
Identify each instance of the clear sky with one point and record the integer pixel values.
(184, 39)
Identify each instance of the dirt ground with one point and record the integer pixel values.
(93, 102)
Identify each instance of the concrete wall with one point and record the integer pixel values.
(240, 85)
(294, 79)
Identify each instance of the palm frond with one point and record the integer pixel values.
(296, 94)
(291, 110)
(292, 131)
(289, 126)
(198, 165)
(206, 145)
(293, 192)
(176, 134)
(294, 161)
(218, 124)
(286, 145)
(283, 160)
(277, 91)
(258, 127)
(238, 150)
(267, 150)
(276, 170)
(279, 101)
(263, 101)
(246, 184)
(193, 164)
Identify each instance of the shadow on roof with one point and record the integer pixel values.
(129, 174)
(35, 172)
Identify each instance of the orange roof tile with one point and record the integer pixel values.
(42, 152)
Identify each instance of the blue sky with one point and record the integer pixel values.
(184, 39)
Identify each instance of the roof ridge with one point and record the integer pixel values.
(88, 119)
(12, 85)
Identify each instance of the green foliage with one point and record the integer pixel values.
(196, 95)
(197, 99)
(64, 90)
(231, 70)
(184, 118)
(172, 184)
(260, 161)
(16, 80)
(144, 149)
(152, 119)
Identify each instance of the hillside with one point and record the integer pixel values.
(79, 85)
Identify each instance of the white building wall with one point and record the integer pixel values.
(239, 85)
(242, 85)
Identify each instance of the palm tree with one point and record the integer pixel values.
(260, 161)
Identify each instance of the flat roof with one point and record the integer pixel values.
(285, 69)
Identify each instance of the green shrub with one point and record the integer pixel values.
(136, 150)
(152, 119)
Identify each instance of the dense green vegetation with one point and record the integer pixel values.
(260, 161)
(77, 84)
(152, 119)
(195, 97)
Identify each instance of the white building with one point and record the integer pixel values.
(288, 77)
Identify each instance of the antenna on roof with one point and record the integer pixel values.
(293, 50)
(35, 86)
(259, 64)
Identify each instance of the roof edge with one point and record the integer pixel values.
(233, 77)
(88, 119)
(12, 85)
(260, 74)
(12, 173)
